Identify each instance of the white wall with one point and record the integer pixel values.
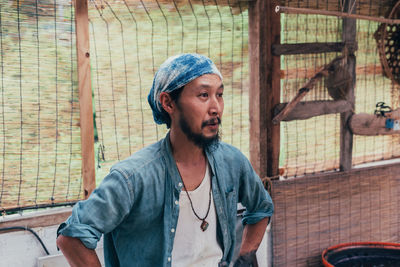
(264, 250)
(22, 249)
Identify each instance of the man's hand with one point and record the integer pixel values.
(76, 253)
(252, 237)
(246, 260)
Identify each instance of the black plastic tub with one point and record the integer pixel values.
(362, 254)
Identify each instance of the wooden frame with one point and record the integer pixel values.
(264, 31)
(265, 51)
(346, 136)
(310, 48)
(85, 96)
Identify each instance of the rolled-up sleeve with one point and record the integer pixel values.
(104, 210)
(253, 196)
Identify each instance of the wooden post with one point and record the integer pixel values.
(346, 136)
(85, 96)
(264, 31)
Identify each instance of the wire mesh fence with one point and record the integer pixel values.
(40, 137)
(313, 145)
(130, 39)
(40, 162)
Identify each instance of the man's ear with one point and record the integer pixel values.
(167, 103)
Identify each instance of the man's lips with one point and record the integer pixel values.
(211, 123)
(213, 126)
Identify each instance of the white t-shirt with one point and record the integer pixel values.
(192, 246)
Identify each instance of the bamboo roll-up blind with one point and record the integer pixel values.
(129, 41)
(40, 158)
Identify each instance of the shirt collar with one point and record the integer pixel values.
(171, 164)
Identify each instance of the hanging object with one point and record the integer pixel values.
(388, 40)
(324, 72)
(339, 81)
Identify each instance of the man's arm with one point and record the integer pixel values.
(105, 209)
(76, 253)
(251, 239)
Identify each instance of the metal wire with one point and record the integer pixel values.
(125, 74)
(197, 26)
(56, 92)
(2, 106)
(152, 45)
(138, 67)
(29, 230)
(20, 101)
(38, 85)
(112, 80)
(72, 97)
(209, 29)
(180, 18)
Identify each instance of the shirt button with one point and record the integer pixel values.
(180, 184)
(169, 258)
(176, 202)
(172, 230)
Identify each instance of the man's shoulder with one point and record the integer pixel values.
(225, 146)
(140, 161)
(228, 152)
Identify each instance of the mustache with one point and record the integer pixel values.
(216, 120)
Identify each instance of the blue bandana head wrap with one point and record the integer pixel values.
(174, 73)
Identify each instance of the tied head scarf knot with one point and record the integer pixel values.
(173, 74)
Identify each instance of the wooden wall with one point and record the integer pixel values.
(313, 213)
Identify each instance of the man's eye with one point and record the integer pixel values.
(220, 95)
(204, 94)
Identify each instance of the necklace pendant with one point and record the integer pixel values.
(204, 225)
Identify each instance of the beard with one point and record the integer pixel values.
(201, 141)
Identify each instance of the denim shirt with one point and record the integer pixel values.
(136, 206)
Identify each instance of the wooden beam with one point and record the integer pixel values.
(309, 109)
(346, 137)
(346, 14)
(308, 48)
(371, 125)
(291, 105)
(264, 31)
(36, 219)
(85, 96)
(307, 73)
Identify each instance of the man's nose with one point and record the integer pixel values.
(215, 106)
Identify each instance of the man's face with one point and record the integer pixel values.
(200, 107)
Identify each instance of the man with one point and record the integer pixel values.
(174, 203)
